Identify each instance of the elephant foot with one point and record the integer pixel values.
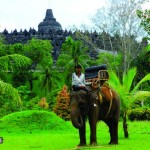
(113, 143)
(81, 144)
(93, 143)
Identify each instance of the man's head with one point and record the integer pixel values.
(78, 68)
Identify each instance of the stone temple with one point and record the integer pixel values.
(50, 29)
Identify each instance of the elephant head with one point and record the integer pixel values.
(79, 107)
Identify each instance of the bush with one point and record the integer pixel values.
(33, 121)
(139, 114)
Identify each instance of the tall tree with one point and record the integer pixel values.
(40, 53)
(120, 20)
(72, 53)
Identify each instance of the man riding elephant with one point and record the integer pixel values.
(86, 105)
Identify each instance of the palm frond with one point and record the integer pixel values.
(146, 78)
(128, 79)
(114, 81)
(141, 95)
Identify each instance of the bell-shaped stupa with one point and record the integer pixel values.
(49, 23)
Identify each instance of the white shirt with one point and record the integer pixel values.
(78, 80)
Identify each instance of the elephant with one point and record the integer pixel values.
(85, 105)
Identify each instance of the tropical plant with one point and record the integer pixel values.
(7, 64)
(72, 53)
(128, 92)
(50, 79)
(113, 60)
(40, 53)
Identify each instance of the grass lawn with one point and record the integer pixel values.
(139, 139)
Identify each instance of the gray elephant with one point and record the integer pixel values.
(86, 105)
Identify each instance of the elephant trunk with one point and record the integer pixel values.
(76, 120)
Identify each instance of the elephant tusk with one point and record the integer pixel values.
(95, 105)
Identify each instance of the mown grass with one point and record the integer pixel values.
(55, 134)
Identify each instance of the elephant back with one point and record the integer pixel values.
(107, 93)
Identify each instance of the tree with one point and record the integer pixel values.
(145, 19)
(113, 61)
(128, 92)
(50, 79)
(72, 53)
(40, 53)
(9, 63)
(62, 108)
(119, 19)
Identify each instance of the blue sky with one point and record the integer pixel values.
(23, 14)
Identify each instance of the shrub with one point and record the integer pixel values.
(32, 104)
(139, 114)
(7, 106)
(62, 108)
(43, 104)
(33, 121)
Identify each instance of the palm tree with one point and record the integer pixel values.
(7, 64)
(72, 53)
(50, 80)
(128, 93)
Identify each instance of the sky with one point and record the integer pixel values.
(23, 14)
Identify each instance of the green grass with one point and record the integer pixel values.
(39, 134)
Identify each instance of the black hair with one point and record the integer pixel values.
(78, 66)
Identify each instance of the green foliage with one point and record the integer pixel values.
(10, 62)
(144, 15)
(32, 104)
(52, 96)
(31, 121)
(23, 92)
(142, 62)
(17, 48)
(62, 108)
(21, 75)
(72, 53)
(40, 52)
(113, 61)
(139, 114)
(7, 91)
(127, 92)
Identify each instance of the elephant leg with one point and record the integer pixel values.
(93, 117)
(113, 129)
(82, 134)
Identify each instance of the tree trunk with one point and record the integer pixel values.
(125, 125)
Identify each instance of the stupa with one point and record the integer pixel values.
(49, 23)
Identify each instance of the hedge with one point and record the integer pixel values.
(139, 114)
